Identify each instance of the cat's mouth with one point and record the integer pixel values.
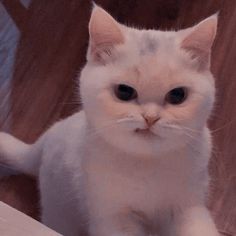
(144, 132)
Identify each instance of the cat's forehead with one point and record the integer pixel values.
(142, 47)
(151, 58)
(150, 41)
(148, 44)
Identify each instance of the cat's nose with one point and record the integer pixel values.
(151, 120)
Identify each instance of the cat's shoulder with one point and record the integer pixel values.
(68, 127)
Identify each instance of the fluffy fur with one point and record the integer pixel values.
(100, 177)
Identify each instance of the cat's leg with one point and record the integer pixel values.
(58, 212)
(59, 219)
(59, 206)
(196, 221)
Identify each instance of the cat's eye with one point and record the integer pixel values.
(125, 92)
(176, 96)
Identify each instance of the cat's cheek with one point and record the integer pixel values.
(192, 115)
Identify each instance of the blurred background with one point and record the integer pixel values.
(42, 50)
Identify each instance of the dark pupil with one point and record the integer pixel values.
(125, 92)
(176, 96)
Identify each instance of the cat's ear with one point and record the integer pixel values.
(104, 34)
(198, 41)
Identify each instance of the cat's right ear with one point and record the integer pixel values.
(104, 34)
(198, 41)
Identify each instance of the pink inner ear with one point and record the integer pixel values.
(104, 30)
(199, 40)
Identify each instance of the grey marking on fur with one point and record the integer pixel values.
(149, 45)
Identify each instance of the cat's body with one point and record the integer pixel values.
(121, 176)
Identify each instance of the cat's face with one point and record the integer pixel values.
(147, 91)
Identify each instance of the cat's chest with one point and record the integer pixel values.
(138, 185)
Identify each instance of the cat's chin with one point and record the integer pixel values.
(139, 142)
(145, 133)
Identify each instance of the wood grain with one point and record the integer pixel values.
(42, 49)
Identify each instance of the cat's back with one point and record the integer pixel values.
(63, 140)
(64, 131)
(65, 128)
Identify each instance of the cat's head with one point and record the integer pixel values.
(147, 90)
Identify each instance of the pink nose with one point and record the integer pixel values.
(151, 120)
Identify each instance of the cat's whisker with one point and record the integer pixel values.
(101, 128)
(191, 130)
(171, 126)
(186, 131)
(183, 128)
(124, 119)
(190, 135)
(222, 127)
(8, 167)
(178, 127)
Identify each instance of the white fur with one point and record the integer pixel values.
(96, 173)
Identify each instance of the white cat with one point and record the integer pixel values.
(134, 161)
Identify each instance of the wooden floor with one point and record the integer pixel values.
(42, 49)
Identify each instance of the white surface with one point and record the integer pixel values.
(15, 223)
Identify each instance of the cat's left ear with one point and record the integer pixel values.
(104, 34)
(198, 41)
